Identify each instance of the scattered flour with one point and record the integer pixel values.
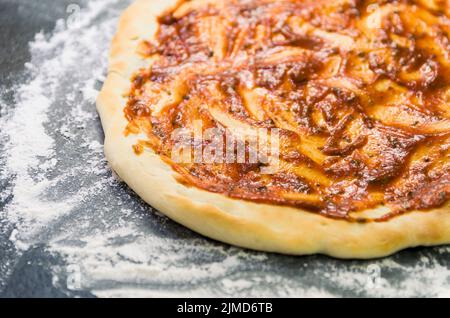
(65, 197)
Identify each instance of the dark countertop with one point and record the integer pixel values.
(113, 241)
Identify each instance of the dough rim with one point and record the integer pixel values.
(246, 224)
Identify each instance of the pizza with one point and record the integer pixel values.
(289, 126)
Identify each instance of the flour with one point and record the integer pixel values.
(63, 195)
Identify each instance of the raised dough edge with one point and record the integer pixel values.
(257, 226)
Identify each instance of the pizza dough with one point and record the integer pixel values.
(288, 226)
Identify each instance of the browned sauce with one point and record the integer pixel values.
(359, 90)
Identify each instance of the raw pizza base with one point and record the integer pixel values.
(242, 223)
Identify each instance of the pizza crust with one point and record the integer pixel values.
(252, 225)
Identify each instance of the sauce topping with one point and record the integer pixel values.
(358, 90)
